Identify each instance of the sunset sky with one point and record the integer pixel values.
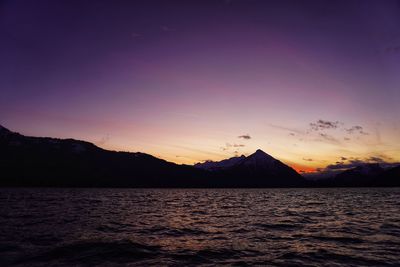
(315, 84)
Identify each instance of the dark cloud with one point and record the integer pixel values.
(346, 163)
(238, 145)
(229, 146)
(308, 159)
(245, 136)
(356, 129)
(323, 125)
(342, 165)
(376, 159)
(329, 138)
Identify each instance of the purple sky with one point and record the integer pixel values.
(182, 80)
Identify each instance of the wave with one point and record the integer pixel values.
(92, 252)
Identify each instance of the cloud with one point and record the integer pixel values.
(340, 165)
(376, 159)
(238, 145)
(229, 146)
(328, 138)
(292, 130)
(305, 159)
(346, 163)
(323, 124)
(245, 136)
(356, 129)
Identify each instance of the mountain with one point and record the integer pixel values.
(390, 177)
(42, 161)
(364, 175)
(258, 169)
(219, 165)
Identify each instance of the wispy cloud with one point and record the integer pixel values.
(292, 130)
(229, 146)
(356, 129)
(238, 145)
(324, 124)
(245, 136)
(351, 162)
(329, 138)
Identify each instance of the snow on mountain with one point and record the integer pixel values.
(258, 159)
(219, 165)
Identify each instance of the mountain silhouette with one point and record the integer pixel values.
(364, 175)
(45, 161)
(359, 176)
(258, 169)
(42, 161)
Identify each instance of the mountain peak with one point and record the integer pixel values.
(260, 159)
(259, 151)
(260, 154)
(219, 165)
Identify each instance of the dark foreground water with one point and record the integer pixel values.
(124, 227)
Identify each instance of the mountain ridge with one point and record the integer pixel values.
(46, 161)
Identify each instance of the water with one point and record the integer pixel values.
(141, 227)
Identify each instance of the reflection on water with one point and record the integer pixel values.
(316, 227)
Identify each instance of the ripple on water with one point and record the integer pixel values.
(281, 227)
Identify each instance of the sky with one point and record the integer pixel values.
(315, 84)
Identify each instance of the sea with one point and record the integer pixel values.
(200, 227)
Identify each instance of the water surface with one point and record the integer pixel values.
(135, 227)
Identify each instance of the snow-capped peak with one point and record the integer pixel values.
(257, 159)
(223, 164)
